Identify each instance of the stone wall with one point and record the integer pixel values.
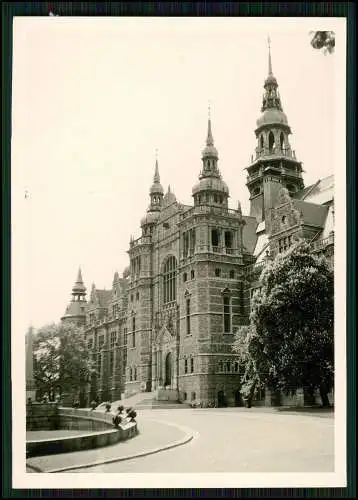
(42, 416)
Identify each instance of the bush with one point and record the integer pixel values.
(108, 407)
(132, 414)
(117, 419)
(93, 405)
(128, 410)
(120, 409)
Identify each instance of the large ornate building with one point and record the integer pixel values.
(169, 321)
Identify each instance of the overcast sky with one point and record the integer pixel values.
(92, 100)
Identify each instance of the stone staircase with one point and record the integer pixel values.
(148, 401)
(154, 404)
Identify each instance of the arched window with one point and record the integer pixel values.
(271, 141)
(188, 331)
(282, 140)
(169, 280)
(130, 375)
(227, 313)
(261, 141)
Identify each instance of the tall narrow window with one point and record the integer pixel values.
(133, 332)
(192, 365)
(192, 241)
(227, 314)
(188, 316)
(282, 140)
(271, 142)
(130, 375)
(215, 239)
(228, 241)
(110, 363)
(169, 280)
(185, 365)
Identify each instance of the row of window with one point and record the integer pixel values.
(187, 362)
(284, 243)
(228, 366)
(193, 396)
(132, 373)
(135, 266)
(192, 275)
(136, 297)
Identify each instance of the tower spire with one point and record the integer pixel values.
(209, 139)
(269, 56)
(156, 178)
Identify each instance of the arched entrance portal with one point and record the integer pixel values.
(168, 369)
(221, 399)
(238, 399)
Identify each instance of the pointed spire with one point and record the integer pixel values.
(209, 139)
(239, 211)
(269, 55)
(156, 178)
(79, 277)
(79, 287)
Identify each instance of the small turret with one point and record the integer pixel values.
(210, 189)
(76, 310)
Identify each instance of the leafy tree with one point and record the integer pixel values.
(46, 361)
(323, 40)
(62, 361)
(290, 341)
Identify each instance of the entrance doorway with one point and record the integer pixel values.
(168, 369)
(221, 399)
(238, 398)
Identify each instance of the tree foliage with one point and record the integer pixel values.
(323, 40)
(62, 361)
(290, 341)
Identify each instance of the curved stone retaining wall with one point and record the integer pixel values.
(101, 433)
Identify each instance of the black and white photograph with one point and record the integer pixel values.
(178, 191)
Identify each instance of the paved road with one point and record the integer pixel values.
(239, 440)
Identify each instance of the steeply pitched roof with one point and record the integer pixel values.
(312, 214)
(320, 192)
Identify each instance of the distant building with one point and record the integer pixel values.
(169, 321)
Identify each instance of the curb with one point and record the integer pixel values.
(190, 434)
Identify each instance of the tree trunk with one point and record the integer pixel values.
(324, 396)
(309, 396)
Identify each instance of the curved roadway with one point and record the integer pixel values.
(238, 440)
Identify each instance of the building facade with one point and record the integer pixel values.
(169, 321)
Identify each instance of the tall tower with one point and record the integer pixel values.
(76, 310)
(156, 194)
(275, 164)
(211, 189)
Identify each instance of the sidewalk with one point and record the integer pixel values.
(153, 437)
